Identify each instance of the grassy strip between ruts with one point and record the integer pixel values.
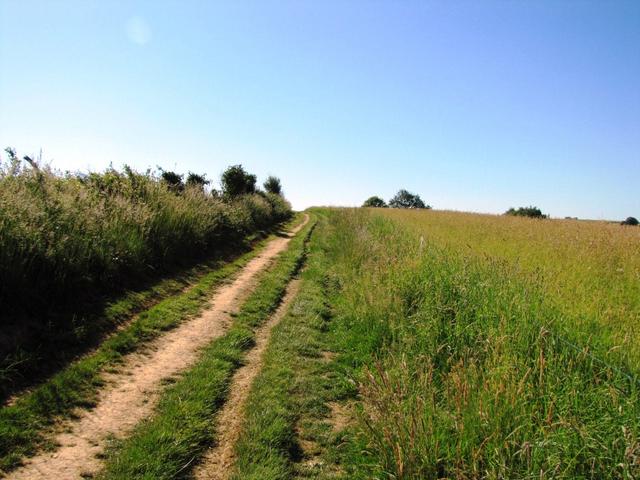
(288, 430)
(167, 444)
(24, 423)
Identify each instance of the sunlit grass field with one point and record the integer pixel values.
(483, 346)
(589, 269)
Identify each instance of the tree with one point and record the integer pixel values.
(374, 201)
(236, 181)
(405, 199)
(531, 212)
(195, 180)
(173, 181)
(630, 221)
(272, 185)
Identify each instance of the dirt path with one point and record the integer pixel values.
(218, 462)
(131, 394)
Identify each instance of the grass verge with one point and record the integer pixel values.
(167, 444)
(25, 422)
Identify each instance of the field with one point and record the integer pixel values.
(487, 347)
(405, 344)
(234, 258)
(590, 270)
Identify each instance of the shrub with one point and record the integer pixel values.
(532, 212)
(374, 201)
(630, 221)
(173, 180)
(281, 208)
(405, 199)
(272, 185)
(236, 181)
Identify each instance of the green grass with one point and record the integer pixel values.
(460, 365)
(167, 444)
(466, 368)
(589, 269)
(457, 363)
(24, 424)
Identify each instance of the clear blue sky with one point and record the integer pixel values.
(474, 105)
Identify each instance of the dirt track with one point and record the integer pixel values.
(130, 395)
(219, 461)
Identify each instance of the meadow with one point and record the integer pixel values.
(589, 269)
(483, 346)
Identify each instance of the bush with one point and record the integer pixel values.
(173, 180)
(273, 185)
(236, 181)
(405, 199)
(630, 221)
(532, 212)
(374, 201)
(281, 208)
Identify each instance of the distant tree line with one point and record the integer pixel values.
(535, 212)
(405, 199)
(531, 212)
(402, 199)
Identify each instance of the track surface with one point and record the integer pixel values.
(218, 462)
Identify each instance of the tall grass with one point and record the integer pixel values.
(467, 367)
(72, 239)
(590, 269)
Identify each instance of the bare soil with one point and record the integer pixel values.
(131, 394)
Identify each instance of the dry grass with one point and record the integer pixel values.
(591, 269)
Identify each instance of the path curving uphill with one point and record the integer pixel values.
(131, 394)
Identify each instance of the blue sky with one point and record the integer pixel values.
(475, 105)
